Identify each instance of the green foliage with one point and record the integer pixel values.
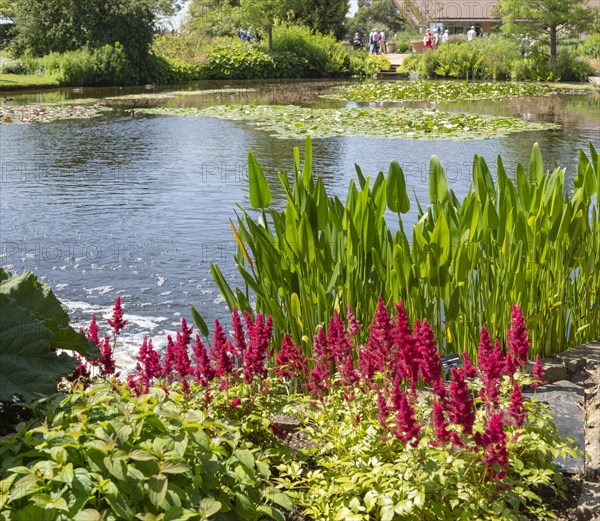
(294, 122)
(46, 26)
(539, 67)
(552, 18)
(12, 66)
(33, 322)
(378, 14)
(211, 18)
(106, 65)
(101, 454)
(359, 474)
(590, 48)
(507, 241)
(322, 55)
(439, 91)
(325, 16)
(264, 14)
(484, 58)
(361, 63)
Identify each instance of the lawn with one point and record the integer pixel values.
(21, 81)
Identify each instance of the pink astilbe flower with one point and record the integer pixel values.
(148, 364)
(460, 402)
(408, 428)
(255, 356)
(278, 431)
(319, 379)
(170, 359)
(203, 371)
(92, 332)
(383, 410)
(440, 426)
(493, 365)
(538, 373)
(354, 326)
(379, 355)
(290, 362)
(238, 335)
(518, 343)
(117, 322)
(431, 365)
(219, 352)
(182, 359)
(235, 403)
(470, 370)
(493, 441)
(341, 351)
(516, 409)
(409, 357)
(106, 361)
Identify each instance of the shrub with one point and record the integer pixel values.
(12, 66)
(539, 68)
(322, 55)
(483, 58)
(239, 61)
(590, 48)
(106, 65)
(366, 64)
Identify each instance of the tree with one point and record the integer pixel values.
(325, 16)
(212, 18)
(382, 14)
(45, 26)
(263, 14)
(551, 17)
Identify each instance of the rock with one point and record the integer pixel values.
(592, 432)
(554, 370)
(565, 400)
(574, 364)
(588, 508)
(589, 353)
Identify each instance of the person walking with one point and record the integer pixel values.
(242, 34)
(435, 39)
(372, 42)
(471, 33)
(445, 36)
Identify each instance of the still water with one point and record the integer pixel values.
(139, 207)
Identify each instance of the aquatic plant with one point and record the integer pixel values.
(523, 241)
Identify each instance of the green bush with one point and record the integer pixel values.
(365, 64)
(484, 58)
(539, 68)
(239, 61)
(590, 48)
(99, 454)
(12, 66)
(323, 55)
(106, 65)
(164, 70)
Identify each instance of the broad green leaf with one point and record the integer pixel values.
(260, 193)
(208, 507)
(27, 366)
(157, 489)
(199, 321)
(397, 196)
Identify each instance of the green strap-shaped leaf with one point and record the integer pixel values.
(536, 164)
(199, 321)
(307, 168)
(397, 195)
(260, 193)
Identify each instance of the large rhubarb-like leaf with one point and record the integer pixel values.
(32, 322)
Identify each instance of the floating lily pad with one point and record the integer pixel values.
(49, 113)
(392, 123)
(439, 91)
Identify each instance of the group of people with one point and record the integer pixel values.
(431, 40)
(247, 36)
(377, 43)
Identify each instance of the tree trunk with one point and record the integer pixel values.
(270, 38)
(553, 37)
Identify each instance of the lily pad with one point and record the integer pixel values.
(289, 121)
(439, 91)
(49, 113)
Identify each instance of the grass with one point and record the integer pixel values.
(22, 81)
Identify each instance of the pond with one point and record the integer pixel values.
(139, 206)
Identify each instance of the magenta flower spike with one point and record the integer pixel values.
(516, 409)
(117, 322)
(204, 371)
(354, 326)
(430, 362)
(219, 352)
(538, 373)
(470, 370)
(408, 427)
(460, 402)
(238, 334)
(290, 362)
